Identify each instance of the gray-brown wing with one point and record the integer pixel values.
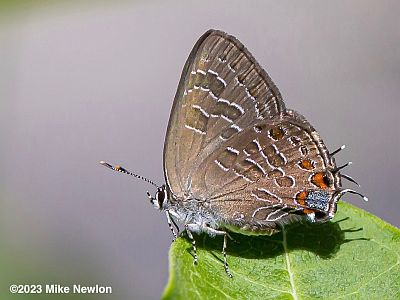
(269, 173)
(222, 91)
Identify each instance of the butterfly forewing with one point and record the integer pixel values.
(222, 91)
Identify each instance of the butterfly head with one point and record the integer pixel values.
(160, 199)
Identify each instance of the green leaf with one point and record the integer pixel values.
(355, 256)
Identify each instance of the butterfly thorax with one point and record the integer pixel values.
(193, 211)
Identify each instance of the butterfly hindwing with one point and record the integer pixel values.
(267, 172)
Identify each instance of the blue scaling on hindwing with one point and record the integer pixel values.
(318, 200)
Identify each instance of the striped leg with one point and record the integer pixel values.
(189, 233)
(213, 232)
(170, 221)
(228, 272)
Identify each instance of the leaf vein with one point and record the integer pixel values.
(288, 265)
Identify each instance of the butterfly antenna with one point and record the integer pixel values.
(338, 150)
(118, 168)
(353, 192)
(341, 167)
(349, 178)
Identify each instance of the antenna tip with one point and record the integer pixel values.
(350, 163)
(106, 164)
(343, 147)
(365, 199)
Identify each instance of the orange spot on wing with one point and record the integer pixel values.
(276, 133)
(301, 199)
(320, 180)
(306, 164)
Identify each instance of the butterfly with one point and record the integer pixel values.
(235, 158)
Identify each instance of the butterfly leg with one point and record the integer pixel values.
(189, 233)
(213, 232)
(228, 272)
(170, 222)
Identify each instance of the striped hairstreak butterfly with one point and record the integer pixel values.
(235, 158)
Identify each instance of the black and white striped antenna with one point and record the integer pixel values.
(120, 169)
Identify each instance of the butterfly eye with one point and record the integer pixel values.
(160, 197)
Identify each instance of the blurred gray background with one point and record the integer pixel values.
(90, 81)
